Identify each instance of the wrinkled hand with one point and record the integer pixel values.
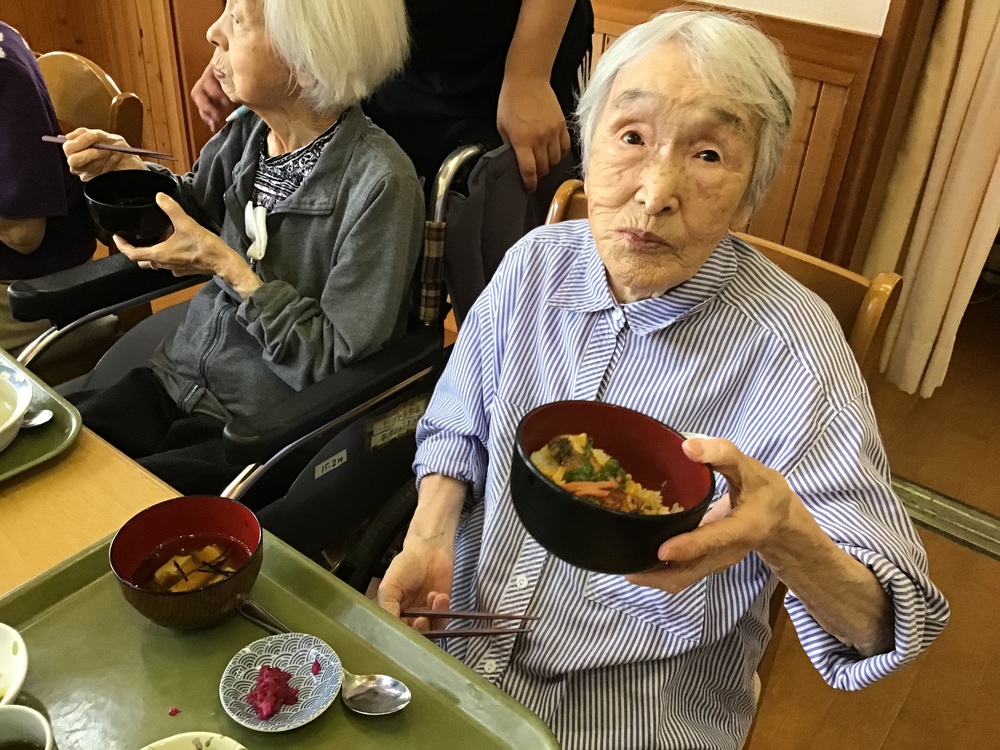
(530, 119)
(212, 103)
(87, 163)
(746, 519)
(419, 577)
(190, 251)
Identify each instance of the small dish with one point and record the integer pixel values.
(15, 397)
(196, 741)
(294, 653)
(13, 663)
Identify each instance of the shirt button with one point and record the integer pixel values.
(521, 581)
(490, 666)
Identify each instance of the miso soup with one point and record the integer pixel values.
(190, 563)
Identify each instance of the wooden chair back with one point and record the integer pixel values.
(84, 96)
(863, 307)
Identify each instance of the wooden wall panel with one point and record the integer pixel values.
(191, 20)
(884, 115)
(831, 68)
(816, 164)
(771, 218)
(132, 40)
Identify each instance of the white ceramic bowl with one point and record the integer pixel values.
(191, 740)
(13, 663)
(19, 724)
(15, 396)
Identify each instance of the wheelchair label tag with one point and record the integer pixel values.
(399, 422)
(331, 463)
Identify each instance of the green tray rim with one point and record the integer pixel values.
(29, 450)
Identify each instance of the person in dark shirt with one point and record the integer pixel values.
(480, 71)
(44, 225)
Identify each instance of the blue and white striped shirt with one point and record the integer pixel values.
(739, 351)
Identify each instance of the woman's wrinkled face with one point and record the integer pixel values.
(669, 164)
(248, 68)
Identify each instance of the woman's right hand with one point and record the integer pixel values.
(419, 577)
(87, 162)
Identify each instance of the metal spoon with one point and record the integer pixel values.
(35, 418)
(369, 694)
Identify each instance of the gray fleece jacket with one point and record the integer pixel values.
(340, 256)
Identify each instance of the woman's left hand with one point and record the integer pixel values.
(746, 519)
(192, 250)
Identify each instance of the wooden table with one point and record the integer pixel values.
(64, 505)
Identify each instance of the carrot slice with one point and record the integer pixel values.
(606, 484)
(592, 493)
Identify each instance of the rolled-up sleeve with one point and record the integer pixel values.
(844, 481)
(453, 434)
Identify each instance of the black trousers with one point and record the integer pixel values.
(138, 417)
(428, 139)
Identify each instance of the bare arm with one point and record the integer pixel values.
(528, 114)
(762, 514)
(439, 506)
(22, 235)
(843, 595)
(421, 575)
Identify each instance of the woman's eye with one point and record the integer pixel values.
(710, 156)
(632, 138)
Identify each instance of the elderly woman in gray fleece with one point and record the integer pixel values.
(308, 217)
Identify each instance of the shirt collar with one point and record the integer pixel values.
(585, 289)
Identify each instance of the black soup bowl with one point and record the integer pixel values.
(124, 203)
(589, 535)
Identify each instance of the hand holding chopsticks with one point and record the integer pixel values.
(526, 623)
(113, 147)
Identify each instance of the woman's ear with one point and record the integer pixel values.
(741, 219)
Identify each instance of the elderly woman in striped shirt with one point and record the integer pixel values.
(652, 304)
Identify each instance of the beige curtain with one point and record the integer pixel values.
(942, 207)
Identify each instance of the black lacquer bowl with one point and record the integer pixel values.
(589, 535)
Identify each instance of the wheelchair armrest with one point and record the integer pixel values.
(108, 284)
(258, 438)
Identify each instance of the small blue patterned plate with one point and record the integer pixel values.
(294, 653)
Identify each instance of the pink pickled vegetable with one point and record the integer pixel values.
(272, 692)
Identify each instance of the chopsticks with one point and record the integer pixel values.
(112, 147)
(526, 620)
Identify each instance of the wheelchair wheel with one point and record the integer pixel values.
(380, 542)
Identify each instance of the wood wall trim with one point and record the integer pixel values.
(884, 113)
(808, 45)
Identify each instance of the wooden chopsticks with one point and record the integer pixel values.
(112, 147)
(526, 620)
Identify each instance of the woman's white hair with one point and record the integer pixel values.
(722, 49)
(340, 50)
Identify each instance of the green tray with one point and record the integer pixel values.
(107, 678)
(32, 447)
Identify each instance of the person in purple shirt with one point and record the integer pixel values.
(44, 225)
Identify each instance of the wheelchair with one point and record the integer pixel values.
(329, 469)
